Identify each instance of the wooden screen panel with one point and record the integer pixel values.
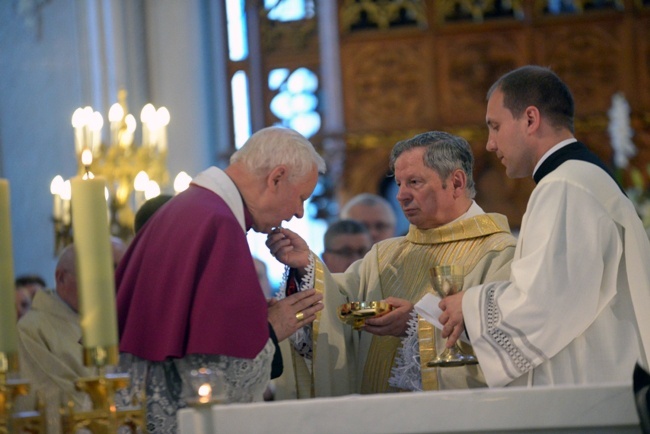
(468, 64)
(388, 83)
(589, 56)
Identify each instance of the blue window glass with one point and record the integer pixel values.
(289, 10)
(240, 108)
(237, 39)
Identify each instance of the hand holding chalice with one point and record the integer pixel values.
(448, 280)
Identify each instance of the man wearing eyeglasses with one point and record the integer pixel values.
(345, 242)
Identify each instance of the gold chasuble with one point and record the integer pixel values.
(346, 361)
(482, 244)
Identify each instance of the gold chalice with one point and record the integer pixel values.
(448, 280)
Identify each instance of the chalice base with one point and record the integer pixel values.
(453, 356)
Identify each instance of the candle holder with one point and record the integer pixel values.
(11, 422)
(62, 234)
(132, 172)
(104, 417)
(208, 388)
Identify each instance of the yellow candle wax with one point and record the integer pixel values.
(95, 278)
(8, 334)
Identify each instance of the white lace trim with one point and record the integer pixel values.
(406, 372)
(302, 338)
(167, 384)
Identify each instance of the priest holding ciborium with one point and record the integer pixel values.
(433, 173)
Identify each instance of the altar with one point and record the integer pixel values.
(562, 409)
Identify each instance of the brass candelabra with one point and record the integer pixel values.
(105, 416)
(133, 173)
(11, 421)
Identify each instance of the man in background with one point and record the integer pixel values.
(27, 286)
(374, 212)
(49, 338)
(345, 242)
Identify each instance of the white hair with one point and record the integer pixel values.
(274, 146)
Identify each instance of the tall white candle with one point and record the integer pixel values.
(78, 121)
(163, 120)
(95, 279)
(55, 188)
(8, 334)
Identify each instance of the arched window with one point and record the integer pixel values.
(274, 80)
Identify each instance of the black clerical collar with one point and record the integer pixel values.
(573, 151)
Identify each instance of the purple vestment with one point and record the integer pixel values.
(187, 284)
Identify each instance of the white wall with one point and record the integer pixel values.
(39, 89)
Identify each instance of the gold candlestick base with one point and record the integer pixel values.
(32, 422)
(104, 417)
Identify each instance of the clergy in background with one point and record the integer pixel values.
(49, 339)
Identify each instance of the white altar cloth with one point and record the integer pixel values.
(559, 409)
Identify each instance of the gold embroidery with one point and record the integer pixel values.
(404, 265)
(427, 352)
(319, 285)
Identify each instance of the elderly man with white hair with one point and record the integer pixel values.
(188, 294)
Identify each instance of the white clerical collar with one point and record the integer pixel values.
(473, 211)
(548, 153)
(216, 180)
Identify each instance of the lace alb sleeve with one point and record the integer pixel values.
(302, 338)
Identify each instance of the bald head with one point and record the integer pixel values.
(66, 271)
(374, 212)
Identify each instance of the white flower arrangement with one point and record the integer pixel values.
(621, 133)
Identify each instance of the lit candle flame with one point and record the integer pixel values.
(56, 185)
(86, 160)
(152, 190)
(141, 180)
(66, 191)
(205, 392)
(86, 157)
(182, 182)
(116, 113)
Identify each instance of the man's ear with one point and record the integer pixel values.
(533, 117)
(459, 180)
(277, 173)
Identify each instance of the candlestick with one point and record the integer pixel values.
(8, 335)
(163, 119)
(78, 123)
(95, 277)
(119, 160)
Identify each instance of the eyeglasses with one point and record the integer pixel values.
(349, 252)
(377, 226)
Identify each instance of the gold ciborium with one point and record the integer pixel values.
(356, 312)
(448, 280)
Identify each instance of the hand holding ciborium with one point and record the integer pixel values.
(448, 280)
